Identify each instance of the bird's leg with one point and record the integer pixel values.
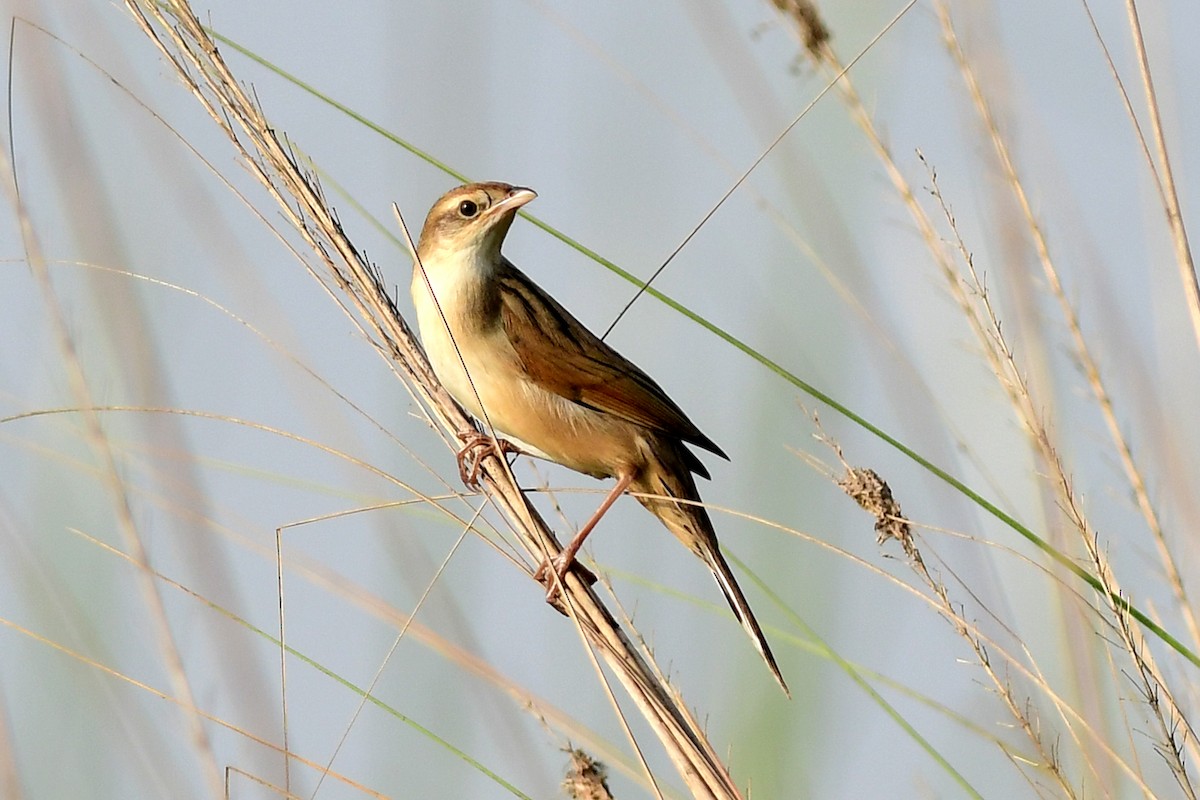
(476, 447)
(561, 563)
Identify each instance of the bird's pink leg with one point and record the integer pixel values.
(561, 564)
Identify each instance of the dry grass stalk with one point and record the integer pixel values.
(1150, 681)
(200, 713)
(180, 37)
(114, 485)
(10, 777)
(825, 56)
(231, 773)
(1183, 251)
(1151, 685)
(812, 29)
(1016, 660)
(972, 300)
(874, 496)
(587, 779)
(1082, 351)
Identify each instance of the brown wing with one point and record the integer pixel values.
(561, 355)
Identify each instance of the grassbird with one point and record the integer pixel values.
(518, 361)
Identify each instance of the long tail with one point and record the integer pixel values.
(741, 609)
(669, 474)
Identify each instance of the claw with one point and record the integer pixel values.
(552, 573)
(476, 447)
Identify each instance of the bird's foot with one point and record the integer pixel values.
(476, 447)
(553, 573)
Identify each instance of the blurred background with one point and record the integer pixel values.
(241, 399)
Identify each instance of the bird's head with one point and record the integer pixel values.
(472, 220)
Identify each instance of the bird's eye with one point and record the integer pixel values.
(468, 209)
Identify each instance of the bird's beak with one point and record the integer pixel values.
(518, 197)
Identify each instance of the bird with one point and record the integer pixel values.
(524, 366)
